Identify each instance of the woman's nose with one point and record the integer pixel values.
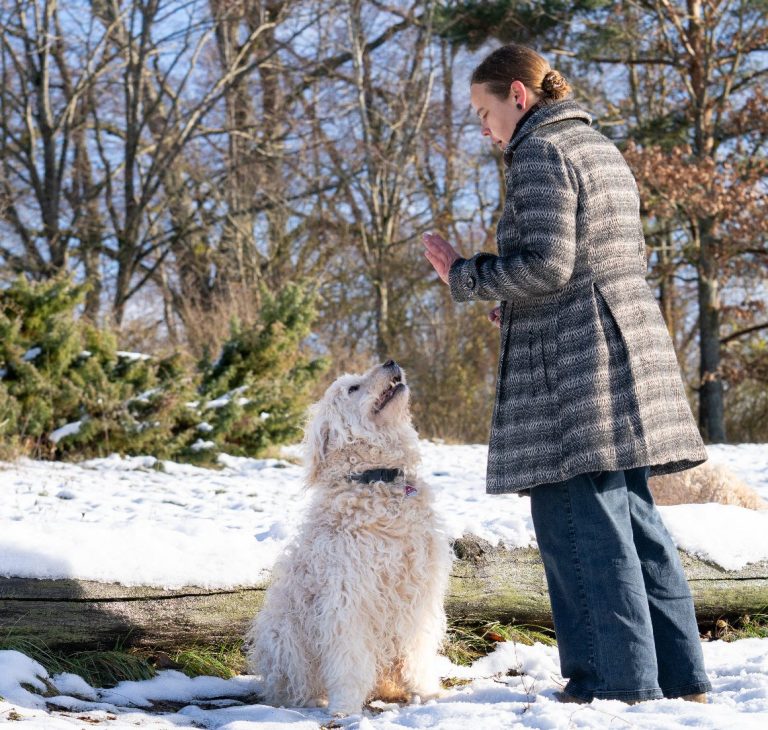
(486, 132)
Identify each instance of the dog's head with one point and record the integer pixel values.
(362, 421)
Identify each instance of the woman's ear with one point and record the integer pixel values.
(518, 94)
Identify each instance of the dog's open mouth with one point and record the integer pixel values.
(395, 386)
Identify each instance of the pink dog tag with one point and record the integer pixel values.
(410, 490)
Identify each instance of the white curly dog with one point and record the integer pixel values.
(355, 608)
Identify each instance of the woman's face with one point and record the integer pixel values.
(498, 117)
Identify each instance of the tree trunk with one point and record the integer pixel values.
(382, 318)
(667, 286)
(488, 583)
(711, 413)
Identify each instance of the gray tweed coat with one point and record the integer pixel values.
(588, 379)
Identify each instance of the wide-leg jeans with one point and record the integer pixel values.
(622, 609)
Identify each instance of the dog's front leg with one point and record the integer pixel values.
(344, 639)
(424, 633)
(347, 666)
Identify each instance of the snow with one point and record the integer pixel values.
(732, 534)
(133, 356)
(141, 521)
(511, 689)
(146, 396)
(17, 669)
(31, 354)
(106, 519)
(200, 445)
(218, 402)
(224, 400)
(176, 685)
(70, 429)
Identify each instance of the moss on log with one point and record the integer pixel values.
(492, 583)
(74, 614)
(488, 583)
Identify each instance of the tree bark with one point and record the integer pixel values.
(711, 411)
(488, 583)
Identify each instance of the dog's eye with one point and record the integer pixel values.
(353, 388)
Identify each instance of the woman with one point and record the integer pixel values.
(589, 398)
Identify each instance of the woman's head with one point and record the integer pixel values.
(507, 83)
(520, 63)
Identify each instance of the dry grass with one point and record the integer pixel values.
(753, 626)
(465, 644)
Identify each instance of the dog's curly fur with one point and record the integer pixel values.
(704, 483)
(355, 609)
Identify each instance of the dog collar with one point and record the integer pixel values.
(377, 475)
(369, 476)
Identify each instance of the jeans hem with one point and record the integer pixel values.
(638, 695)
(688, 689)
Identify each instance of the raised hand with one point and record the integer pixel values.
(439, 253)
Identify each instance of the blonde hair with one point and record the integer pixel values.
(520, 63)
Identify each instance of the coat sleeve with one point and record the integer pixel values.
(544, 191)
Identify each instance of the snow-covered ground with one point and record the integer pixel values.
(493, 700)
(139, 522)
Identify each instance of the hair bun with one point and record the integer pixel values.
(554, 85)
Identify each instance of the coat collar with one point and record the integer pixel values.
(545, 113)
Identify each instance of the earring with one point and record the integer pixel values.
(519, 105)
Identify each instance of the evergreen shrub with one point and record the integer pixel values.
(68, 391)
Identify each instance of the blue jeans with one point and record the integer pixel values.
(622, 609)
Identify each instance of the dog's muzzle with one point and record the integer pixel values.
(396, 384)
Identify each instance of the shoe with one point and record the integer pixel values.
(565, 697)
(701, 697)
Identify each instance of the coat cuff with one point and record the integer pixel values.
(463, 280)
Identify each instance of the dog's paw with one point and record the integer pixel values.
(343, 709)
(317, 702)
(419, 697)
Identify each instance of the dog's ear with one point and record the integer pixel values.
(317, 436)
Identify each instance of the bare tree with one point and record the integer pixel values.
(691, 67)
(48, 182)
(382, 101)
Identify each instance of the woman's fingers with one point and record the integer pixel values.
(439, 253)
(437, 244)
(433, 242)
(438, 264)
(495, 316)
(435, 251)
(433, 238)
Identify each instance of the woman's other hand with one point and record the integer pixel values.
(495, 316)
(439, 253)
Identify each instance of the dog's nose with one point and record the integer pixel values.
(390, 364)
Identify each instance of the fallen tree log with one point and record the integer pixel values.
(488, 583)
(492, 583)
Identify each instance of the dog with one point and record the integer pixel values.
(704, 483)
(355, 607)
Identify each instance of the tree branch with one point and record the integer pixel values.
(746, 331)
